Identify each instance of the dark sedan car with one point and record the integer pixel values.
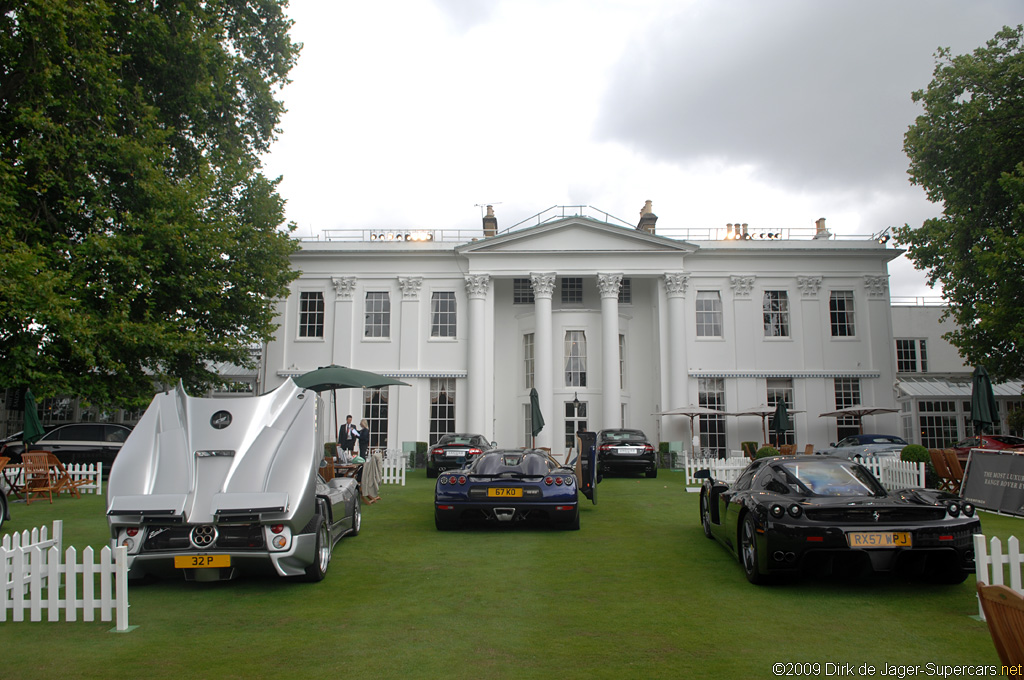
(507, 487)
(452, 451)
(789, 514)
(624, 450)
(84, 443)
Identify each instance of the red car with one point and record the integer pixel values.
(994, 442)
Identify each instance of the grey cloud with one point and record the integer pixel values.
(814, 95)
(466, 14)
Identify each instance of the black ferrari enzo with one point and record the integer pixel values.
(790, 514)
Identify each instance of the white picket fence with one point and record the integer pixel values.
(990, 563)
(892, 473)
(92, 472)
(395, 462)
(34, 578)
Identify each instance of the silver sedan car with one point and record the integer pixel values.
(862, 445)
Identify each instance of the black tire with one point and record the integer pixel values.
(4, 509)
(321, 552)
(357, 518)
(444, 524)
(748, 551)
(651, 474)
(705, 514)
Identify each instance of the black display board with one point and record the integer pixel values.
(994, 480)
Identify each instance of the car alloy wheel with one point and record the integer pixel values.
(748, 550)
(705, 514)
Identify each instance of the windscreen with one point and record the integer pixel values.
(512, 463)
(830, 477)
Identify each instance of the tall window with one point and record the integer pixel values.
(781, 389)
(840, 312)
(709, 314)
(575, 359)
(847, 394)
(911, 356)
(442, 407)
(626, 292)
(378, 315)
(522, 292)
(711, 394)
(572, 290)
(442, 314)
(622, 362)
(529, 360)
(375, 412)
(311, 314)
(776, 314)
(937, 420)
(575, 420)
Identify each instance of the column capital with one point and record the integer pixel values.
(477, 286)
(877, 285)
(676, 283)
(344, 286)
(543, 284)
(808, 285)
(410, 286)
(742, 285)
(609, 284)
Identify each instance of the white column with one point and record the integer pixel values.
(675, 287)
(477, 286)
(410, 331)
(344, 317)
(544, 365)
(608, 285)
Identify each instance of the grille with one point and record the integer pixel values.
(228, 536)
(875, 515)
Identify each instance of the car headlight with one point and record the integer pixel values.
(777, 511)
(967, 509)
(795, 511)
(953, 509)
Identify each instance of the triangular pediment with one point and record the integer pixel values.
(579, 235)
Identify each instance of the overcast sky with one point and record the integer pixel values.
(413, 113)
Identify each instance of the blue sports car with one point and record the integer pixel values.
(510, 486)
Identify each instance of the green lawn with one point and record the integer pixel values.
(637, 592)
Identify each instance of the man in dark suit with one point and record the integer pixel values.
(348, 436)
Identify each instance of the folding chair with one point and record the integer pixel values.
(63, 480)
(956, 471)
(941, 469)
(1004, 614)
(38, 478)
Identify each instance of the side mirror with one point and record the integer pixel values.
(833, 445)
(702, 474)
(494, 445)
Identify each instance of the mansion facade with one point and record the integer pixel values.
(611, 323)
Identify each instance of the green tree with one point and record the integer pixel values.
(966, 151)
(140, 239)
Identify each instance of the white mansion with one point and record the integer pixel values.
(611, 324)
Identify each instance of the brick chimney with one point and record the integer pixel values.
(821, 231)
(647, 219)
(490, 223)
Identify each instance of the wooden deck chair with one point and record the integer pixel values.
(809, 449)
(38, 478)
(941, 469)
(956, 471)
(62, 480)
(788, 449)
(9, 477)
(1004, 614)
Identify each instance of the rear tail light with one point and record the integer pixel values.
(606, 447)
(132, 531)
(648, 449)
(558, 481)
(549, 480)
(277, 528)
(437, 452)
(462, 480)
(442, 480)
(473, 452)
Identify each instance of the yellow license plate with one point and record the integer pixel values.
(504, 492)
(879, 539)
(201, 561)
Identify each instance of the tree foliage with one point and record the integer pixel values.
(140, 239)
(967, 151)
